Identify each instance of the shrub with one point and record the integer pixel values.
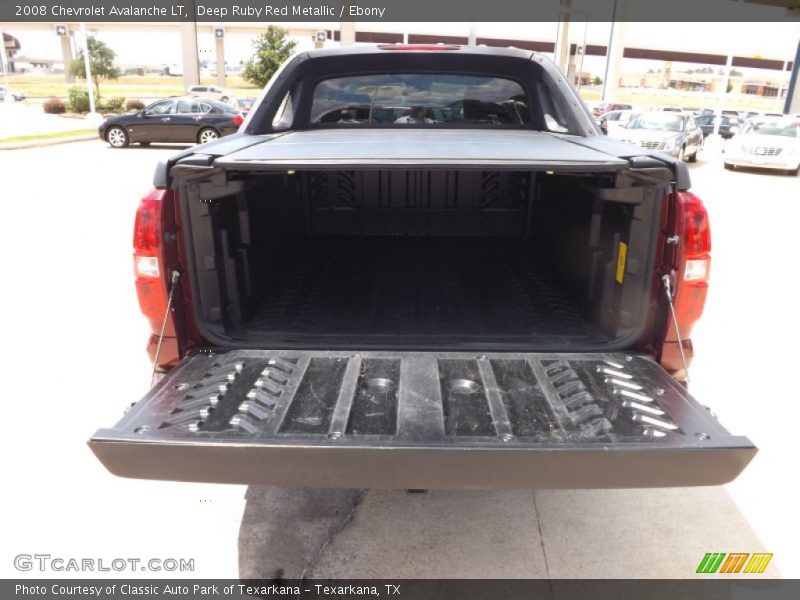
(114, 103)
(133, 104)
(78, 100)
(53, 106)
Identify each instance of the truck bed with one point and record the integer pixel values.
(404, 286)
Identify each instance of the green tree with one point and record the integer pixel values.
(101, 61)
(271, 50)
(597, 81)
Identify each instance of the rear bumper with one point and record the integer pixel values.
(521, 421)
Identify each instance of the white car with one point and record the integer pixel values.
(212, 92)
(10, 95)
(615, 119)
(766, 143)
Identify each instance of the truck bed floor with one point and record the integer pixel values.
(386, 286)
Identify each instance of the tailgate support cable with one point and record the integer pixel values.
(668, 291)
(174, 283)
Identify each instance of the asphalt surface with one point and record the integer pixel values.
(28, 118)
(76, 360)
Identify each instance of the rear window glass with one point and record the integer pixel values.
(419, 99)
(225, 108)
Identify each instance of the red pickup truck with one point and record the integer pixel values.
(422, 267)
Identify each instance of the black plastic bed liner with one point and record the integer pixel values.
(422, 420)
(376, 286)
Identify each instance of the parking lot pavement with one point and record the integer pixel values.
(27, 118)
(650, 533)
(386, 534)
(74, 349)
(745, 348)
(504, 534)
(78, 349)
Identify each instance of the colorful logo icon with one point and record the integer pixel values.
(734, 562)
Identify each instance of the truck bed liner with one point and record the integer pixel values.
(422, 420)
(392, 286)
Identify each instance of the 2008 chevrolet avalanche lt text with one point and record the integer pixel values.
(422, 267)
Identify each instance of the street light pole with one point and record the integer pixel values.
(3, 57)
(608, 52)
(88, 69)
(792, 91)
(583, 53)
(723, 91)
(471, 38)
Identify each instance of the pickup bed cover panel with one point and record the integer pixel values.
(422, 420)
(447, 148)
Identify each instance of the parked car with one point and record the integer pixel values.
(728, 126)
(604, 107)
(745, 114)
(211, 92)
(665, 108)
(478, 302)
(188, 119)
(615, 119)
(676, 134)
(7, 93)
(245, 104)
(766, 143)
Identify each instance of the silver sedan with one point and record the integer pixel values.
(676, 134)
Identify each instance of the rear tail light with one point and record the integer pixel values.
(147, 228)
(147, 258)
(695, 270)
(151, 274)
(238, 119)
(147, 266)
(692, 279)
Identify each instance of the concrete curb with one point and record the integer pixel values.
(47, 142)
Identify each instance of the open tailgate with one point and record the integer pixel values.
(422, 420)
